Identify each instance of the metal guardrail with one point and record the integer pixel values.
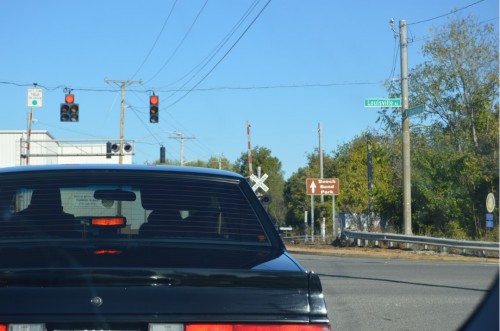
(419, 240)
(422, 240)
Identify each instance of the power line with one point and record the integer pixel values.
(156, 40)
(205, 89)
(262, 87)
(180, 43)
(447, 14)
(444, 33)
(200, 66)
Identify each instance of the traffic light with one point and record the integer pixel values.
(70, 111)
(153, 109)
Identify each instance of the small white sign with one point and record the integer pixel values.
(35, 97)
(490, 202)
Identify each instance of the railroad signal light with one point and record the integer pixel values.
(115, 147)
(70, 111)
(127, 148)
(154, 102)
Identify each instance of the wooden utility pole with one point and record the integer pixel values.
(406, 130)
(122, 84)
(181, 137)
(320, 134)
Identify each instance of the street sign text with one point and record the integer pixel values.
(383, 102)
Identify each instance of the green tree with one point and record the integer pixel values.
(351, 166)
(296, 199)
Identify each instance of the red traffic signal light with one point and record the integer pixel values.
(70, 111)
(154, 102)
(69, 98)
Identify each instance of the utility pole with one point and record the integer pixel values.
(220, 160)
(181, 138)
(406, 129)
(123, 84)
(320, 133)
(369, 166)
(250, 163)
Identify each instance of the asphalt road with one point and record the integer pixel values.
(392, 294)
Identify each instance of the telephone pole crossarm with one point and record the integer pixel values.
(123, 84)
(181, 137)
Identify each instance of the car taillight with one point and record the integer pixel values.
(239, 327)
(195, 327)
(108, 221)
(107, 252)
(256, 327)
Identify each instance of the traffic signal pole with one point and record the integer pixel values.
(123, 84)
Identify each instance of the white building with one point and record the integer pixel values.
(40, 147)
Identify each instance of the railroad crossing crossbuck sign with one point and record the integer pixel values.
(259, 182)
(322, 186)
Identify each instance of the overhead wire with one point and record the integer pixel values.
(447, 14)
(442, 34)
(227, 52)
(179, 45)
(203, 63)
(223, 57)
(156, 40)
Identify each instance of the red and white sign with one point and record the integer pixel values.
(322, 186)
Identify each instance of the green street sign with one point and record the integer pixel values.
(416, 110)
(381, 102)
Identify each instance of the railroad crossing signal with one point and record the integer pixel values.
(259, 183)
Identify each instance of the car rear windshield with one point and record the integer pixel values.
(126, 205)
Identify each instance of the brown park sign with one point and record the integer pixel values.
(322, 186)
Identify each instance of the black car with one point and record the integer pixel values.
(159, 248)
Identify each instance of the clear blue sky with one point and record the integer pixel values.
(300, 63)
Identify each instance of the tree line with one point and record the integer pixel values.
(454, 148)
